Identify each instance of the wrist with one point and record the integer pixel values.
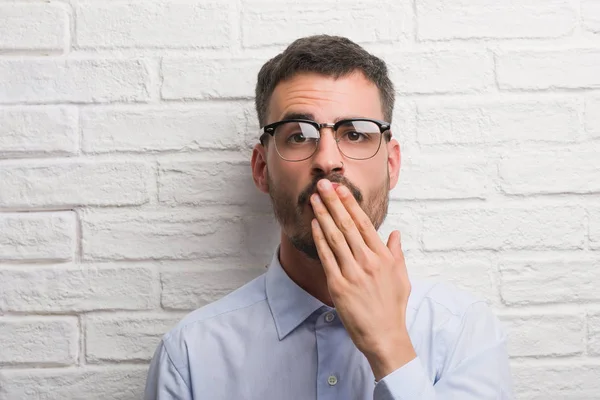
(391, 356)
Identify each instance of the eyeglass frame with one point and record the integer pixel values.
(270, 130)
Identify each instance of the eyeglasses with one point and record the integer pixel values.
(298, 139)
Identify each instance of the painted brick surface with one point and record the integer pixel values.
(51, 21)
(119, 337)
(562, 69)
(37, 236)
(467, 19)
(74, 288)
(545, 335)
(149, 130)
(89, 383)
(30, 340)
(492, 122)
(72, 80)
(136, 24)
(126, 199)
(38, 130)
(82, 183)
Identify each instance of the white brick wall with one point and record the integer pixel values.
(126, 198)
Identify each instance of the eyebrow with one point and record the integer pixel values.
(296, 115)
(311, 117)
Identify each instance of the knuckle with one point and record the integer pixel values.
(371, 269)
(347, 224)
(317, 234)
(336, 238)
(371, 265)
(363, 223)
(363, 254)
(322, 211)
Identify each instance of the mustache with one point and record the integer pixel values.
(304, 196)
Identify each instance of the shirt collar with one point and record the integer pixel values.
(289, 303)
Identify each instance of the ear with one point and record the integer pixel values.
(259, 168)
(394, 161)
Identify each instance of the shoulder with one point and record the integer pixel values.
(233, 306)
(447, 309)
(443, 296)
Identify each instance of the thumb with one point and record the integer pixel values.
(394, 243)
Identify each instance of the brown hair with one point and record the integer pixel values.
(333, 56)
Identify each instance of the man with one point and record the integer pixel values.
(335, 315)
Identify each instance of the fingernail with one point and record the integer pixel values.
(325, 184)
(316, 198)
(343, 190)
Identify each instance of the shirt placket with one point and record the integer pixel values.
(329, 332)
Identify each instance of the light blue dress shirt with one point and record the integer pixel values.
(271, 340)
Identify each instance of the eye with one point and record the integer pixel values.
(296, 138)
(354, 136)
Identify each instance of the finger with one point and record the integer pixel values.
(334, 237)
(394, 243)
(361, 220)
(342, 219)
(330, 265)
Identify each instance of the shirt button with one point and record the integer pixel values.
(329, 317)
(332, 380)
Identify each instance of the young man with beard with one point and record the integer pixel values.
(335, 316)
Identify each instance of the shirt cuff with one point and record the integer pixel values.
(407, 382)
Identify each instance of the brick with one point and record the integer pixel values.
(493, 121)
(153, 24)
(33, 184)
(504, 228)
(72, 80)
(191, 288)
(550, 173)
(437, 176)
(440, 72)
(544, 335)
(202, 78)
(590, 12)
(37, 236)
(572, 380)
(595, 228)
(48, 340)
(563, 281)
(566, 69)
(406, 221)
(476, 19)
(592, 117)
(262, 236)
(470, 274)
(252, 133)
(362, 21)
(593, 332)
(38, 130)
(88, 383)
(77, 288)
(125, 337)
(210, 182)
(51, 21)
(214, 126)
(127, 235)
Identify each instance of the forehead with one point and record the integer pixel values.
(325, 97)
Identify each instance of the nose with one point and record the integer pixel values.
(327, 159)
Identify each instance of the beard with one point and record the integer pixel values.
(291, 212)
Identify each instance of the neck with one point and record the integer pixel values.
(304, 271)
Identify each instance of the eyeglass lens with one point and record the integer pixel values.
(296, 141)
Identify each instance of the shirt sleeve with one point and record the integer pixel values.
(165, 381)
(475, 368)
